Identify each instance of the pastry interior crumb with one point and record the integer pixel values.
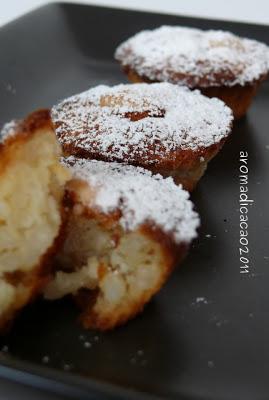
(31, 188)
(125, 269)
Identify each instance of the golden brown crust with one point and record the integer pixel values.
(237, 97)
(39, 119)
(189, 166)
(182, 164)
(23, 131)
(177, 158)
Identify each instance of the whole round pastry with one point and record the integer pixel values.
(127, 230)
(162, 127)
(218, 63)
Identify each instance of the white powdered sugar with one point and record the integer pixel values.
(100, 121)
(195, 57)
(8, 130)
(140, 196)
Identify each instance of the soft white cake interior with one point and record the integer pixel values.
(31, 188)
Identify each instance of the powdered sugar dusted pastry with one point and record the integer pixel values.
(218, 63)
(31, 190)
(127, 231)
(162, 127)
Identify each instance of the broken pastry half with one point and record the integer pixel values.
(31, 192)
(127, 230)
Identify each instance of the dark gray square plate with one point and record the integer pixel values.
(205, 336)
